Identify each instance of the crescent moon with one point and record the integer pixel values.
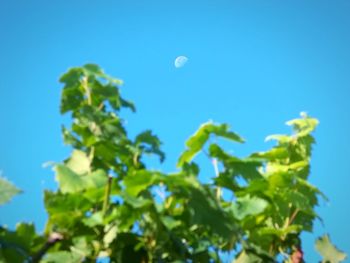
(180, 61)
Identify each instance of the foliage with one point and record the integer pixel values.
(109, 205)
(328, 251)
(8, 190)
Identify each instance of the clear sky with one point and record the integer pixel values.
(253, 64)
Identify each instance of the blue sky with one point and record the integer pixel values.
(252, 64)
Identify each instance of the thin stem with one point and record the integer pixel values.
(216, 169)
(89, 101)
(293, 216)
(91, 154)
(87, 90)
(107, 194)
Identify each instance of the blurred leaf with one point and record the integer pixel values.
(149, 143)
(62, 256)
(95, 70)
(7, 191)
(170, 222)
(328, 251)
(273, 154)
(244, 257)
(94, 220)
(82, 245)
(206, 211)
(68, 180)
(246, 206)
(15, 246)
(65, 209)
(303, 126)
(79, 162)
(110, 234)
(196, 142)
(139, 181)
(137, 202)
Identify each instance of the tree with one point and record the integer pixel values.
(110, 205)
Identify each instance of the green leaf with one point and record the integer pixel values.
(149, 143)
(65, 209)
(96, 71)
(69, 181)
(95, 219)
(196, 142)
(26, 232)
(136, 202)
(110, 234)
(298, 200)
(128, 104)
(217, 152)
(82, 245)
(206, 211)
(280, 232)
(244, 257)
(62, 256)
(7, 191)
(72, 76)
(246, 206)
(234, 166)
(16, 246)
(79, 162)
(328, 251)
(72, 98)
(304, 125)
(253, 254)
(95, 180)
(273, 154)
(139, 181)
(281, 138)
(170, 222)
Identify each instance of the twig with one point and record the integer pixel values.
(107, 194)
(293, 216)
(216, 169)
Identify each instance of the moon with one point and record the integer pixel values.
(180, 61)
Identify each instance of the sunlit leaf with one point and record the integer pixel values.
(139, 181)
(196, 142)
(62, 256)
(304, 125)
(328, 251)
(79, 162)
(7, 190)
(69, 181)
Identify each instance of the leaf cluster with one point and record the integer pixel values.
(110, 205)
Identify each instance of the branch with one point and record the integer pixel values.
(293, 216)
(52, 240)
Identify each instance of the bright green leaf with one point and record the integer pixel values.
(196, 142)
(68, 180)
(79, 162)
(139, 181)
